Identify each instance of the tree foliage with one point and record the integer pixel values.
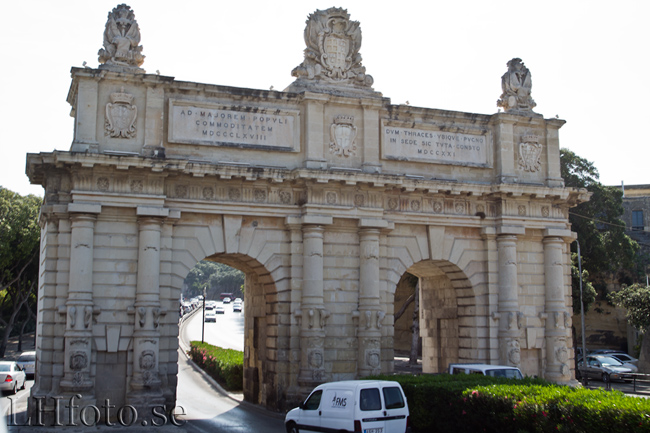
(605, 248)
(216, 278)
(636, 300)
(19, 254)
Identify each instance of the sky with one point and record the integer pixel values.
(589, 62)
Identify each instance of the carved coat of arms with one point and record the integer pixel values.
(332, 53)
(343, 133)
(121, 115)
(530, 152)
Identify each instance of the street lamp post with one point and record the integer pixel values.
(582, 318)
(203, 322)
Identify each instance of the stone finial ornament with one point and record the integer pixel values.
(332, 56)
(121, 51)
(516, 85)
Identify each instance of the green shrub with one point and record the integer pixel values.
(474, 403)
(226, 366)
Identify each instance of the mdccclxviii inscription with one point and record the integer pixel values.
(214, 125)
(427, 145)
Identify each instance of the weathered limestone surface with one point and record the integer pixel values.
(325, 196)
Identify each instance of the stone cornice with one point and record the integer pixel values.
(225, 171)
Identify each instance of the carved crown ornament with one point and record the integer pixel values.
(121, 51)
(332, 53)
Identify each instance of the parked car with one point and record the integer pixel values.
(27, 363)
(219, 310)
(486, 370)
(12, 377)
(210, 316)
(371, 406)
(603, 367)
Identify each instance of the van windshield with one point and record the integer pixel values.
(370, 399)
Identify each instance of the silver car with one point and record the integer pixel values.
(604, 368)
(12, 377)
(27, 362)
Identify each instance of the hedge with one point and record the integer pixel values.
(472, 403)
(226, 366)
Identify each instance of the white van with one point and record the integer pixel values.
(368, 406)
(486, 370)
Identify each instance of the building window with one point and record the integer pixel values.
(637, 220)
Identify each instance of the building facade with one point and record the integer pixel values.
(324, 195)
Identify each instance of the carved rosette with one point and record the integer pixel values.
(285, 197)
(437, 207)
(121, 51)
(342, 136)
(332, 53)
(530, 152)
(121, 115)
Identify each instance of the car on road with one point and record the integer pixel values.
(227, 300)
(27, 362)
(12, 377)
(236, 307)
(210, 316)
(219, 310)
(486, 370)
(603, 367)
(370, 406)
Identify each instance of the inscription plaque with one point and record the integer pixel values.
(424, 143)
(246, 127)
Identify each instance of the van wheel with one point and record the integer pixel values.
(292, 428)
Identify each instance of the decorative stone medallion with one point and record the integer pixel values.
(181, 191)
(136, 186)
(121, 116)
(78, 360)
(437, 207)
(415, 205)
(530, 152)
(359, 200)
(342, 136)
(331, 197)
(315, 359)
(259, 195)
(147, 360)
(459, 207)
(373, 358)
(285, 197)
(392, 203)
(208, 193)
(102, 184)
(522, 210)
(234, 194)
(545, 211)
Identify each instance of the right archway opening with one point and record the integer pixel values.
(448, 325)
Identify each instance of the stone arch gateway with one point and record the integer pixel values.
(324, 194)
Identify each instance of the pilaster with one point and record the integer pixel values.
(370, 312)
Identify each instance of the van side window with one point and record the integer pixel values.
(393, 397)
(370, 399)
(313, 401)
